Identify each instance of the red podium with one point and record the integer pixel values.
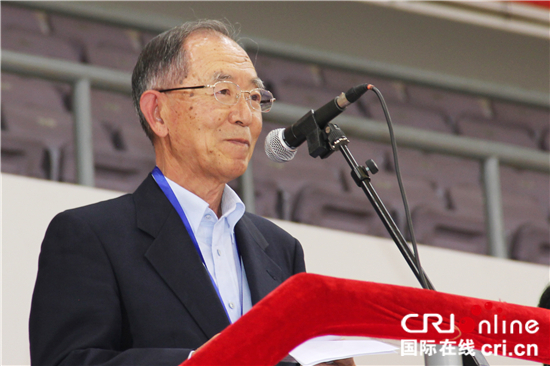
(309, 305)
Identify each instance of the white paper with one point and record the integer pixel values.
(329, 348)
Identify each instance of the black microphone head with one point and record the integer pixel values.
(356, 92)
(276, 148)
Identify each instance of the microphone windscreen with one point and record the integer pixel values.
(275, 147)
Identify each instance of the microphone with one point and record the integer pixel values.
(281, 143)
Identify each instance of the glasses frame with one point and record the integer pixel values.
(226, 82)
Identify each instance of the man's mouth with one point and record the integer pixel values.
(239, 141)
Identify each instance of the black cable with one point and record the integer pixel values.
(399, 181)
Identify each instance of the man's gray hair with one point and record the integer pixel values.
(163, 61)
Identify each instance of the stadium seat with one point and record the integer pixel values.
(507, 134)
(125, 169)
(270, 201)
(449, 230)
(95, 40)
(86, 32)
(113, 58)
(453, 104)
(449, 170)
(32, 93)
(519, 210)
(14, 17)
(467, 218)
(39, 44)
(531, 243)
(289, 179)
(23, 156)
(412, 116)
(321, 204)
(276, 71)
(117, 167)
(527, 183)
(531, 117)
(463, 226)
(444, 170)
(467, 199)
(277, 184)
(420, 193)
(136, 143)
(26, 131)
(113, 108)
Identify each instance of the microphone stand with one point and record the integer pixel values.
(323, 143)
(362, 179)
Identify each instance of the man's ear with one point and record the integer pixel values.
(150, 107)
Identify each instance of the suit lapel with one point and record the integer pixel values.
(175, 258)
(263, 274)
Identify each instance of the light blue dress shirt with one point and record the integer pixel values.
(216, 239)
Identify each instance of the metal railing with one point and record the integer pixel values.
(84, 77)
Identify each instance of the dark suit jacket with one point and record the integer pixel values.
(120, 282)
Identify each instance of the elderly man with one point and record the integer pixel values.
(149, 277)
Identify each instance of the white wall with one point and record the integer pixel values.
(29, 204)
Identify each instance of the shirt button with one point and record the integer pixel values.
(219, 252)
(231, 305)
(208, 217)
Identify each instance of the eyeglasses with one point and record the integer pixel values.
(228, 93)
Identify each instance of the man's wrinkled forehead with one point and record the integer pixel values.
(202, 38)
(221, 76)
(215, 43)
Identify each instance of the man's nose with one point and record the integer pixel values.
(243, 113)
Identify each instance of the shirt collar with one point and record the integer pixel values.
(195, 207)
(232, 206)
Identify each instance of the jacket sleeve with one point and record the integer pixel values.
(77, 316)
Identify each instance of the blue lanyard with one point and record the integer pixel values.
(165, 187)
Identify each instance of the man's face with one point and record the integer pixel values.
(211, 139)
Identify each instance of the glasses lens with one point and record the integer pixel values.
(261, 99)
(227, 92)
